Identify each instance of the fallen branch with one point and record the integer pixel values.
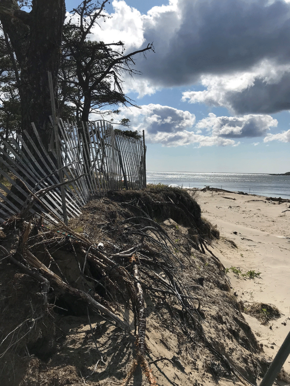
(141, 332)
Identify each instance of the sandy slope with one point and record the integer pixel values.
(71, 348)
(261, 231)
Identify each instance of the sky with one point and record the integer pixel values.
(214, 96)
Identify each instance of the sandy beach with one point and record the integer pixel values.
(255, 236)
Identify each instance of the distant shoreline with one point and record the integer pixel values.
(260, 184)
(280, 174)
(218, 190)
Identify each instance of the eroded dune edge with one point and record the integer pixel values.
(148, 287)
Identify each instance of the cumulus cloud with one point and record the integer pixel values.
(213, 37)
(282, 137)
(125, 25)
(140, 85)
(202, 40)
(238, 127)
(155, 118)
(172, 127)
(263, 90)
(185, 137)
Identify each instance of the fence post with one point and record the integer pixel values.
(145, 182)
(59, 163)
(277, 363)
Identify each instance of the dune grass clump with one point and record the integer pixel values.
(262, 311)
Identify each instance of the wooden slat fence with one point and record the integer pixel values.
(94, 160)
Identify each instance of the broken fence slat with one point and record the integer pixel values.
(75, 158)
(25, 193)
(114, 161)
(47, 155)
(78, 184)
(7, 201)
(16, 198)
(95, 164)
(44, 201)
(6, 214)
(86, 157)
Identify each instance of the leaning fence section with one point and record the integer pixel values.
(94, 160)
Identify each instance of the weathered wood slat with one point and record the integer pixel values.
(87, 151)
(12, 182)
(7, 210)
(91, 146)
(102, 161)
(124, 150)
(52, 197)
(95, 158)
(123, 161)
(126, 160)
(8, 202)
(52, 168)
(76, 169)
(114, 162)
(99, 156)
(75, 152)
(105, 149)
(6, 214)
(86, 180)
(52, 178)
(79, 189)
(40, 174)
(25, 193)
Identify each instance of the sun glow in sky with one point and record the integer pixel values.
(215, 95)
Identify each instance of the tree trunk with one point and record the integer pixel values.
(86, 107)
(36, 39)
(43, 56)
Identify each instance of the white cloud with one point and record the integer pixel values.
(237, 127)
(125, 25)
(140, 85)
(155, 118)
(263, 89)
(238, 49)
(282, 137)
(171, 127)
(185, 137)
(194, 38)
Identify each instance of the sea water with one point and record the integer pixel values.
(253, 183)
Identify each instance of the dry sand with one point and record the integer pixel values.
(261, 231)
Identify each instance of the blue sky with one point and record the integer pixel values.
(215, 95)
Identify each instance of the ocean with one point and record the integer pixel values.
(253, 183)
